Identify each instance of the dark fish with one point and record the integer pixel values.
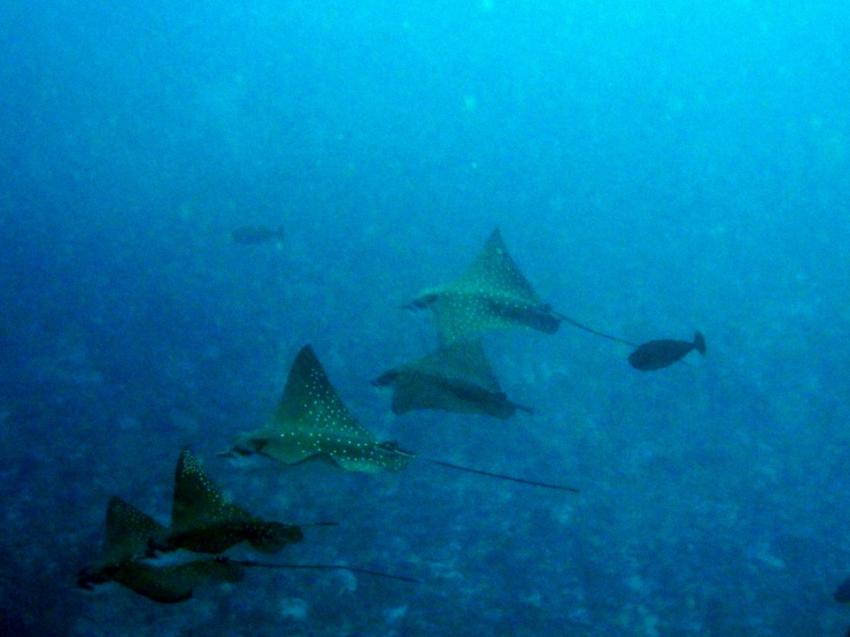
(842, 593)
(254, 235)
(658, 354)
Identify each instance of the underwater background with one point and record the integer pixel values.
(655, 167)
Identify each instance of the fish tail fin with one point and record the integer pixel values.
(528, 410)
(699, 342)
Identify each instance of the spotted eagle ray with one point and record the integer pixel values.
(456, 377)
(312, 423)
(204, 521)
(128, 536)
(493, 294)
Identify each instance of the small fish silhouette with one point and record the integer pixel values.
(663, 353)
(255, 235)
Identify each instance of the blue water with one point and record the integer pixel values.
(654, 166)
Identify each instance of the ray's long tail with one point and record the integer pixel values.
(566, 319)
(501, 476)
(320, 567)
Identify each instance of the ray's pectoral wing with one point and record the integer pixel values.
(495, 272)
(311, 422)
(491, 294)
(416, 391)
(198, 503)
(205, 521)
(129, 532)
(202, 519)
(413, 391)
(375, 459)
(455, 377)
(467, 361)
(459, 316)
(172, 584)
(292, 442)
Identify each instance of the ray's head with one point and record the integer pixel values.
(387, 378)
(244, 446)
